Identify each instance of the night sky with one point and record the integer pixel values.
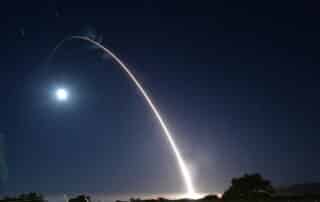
(237, 83)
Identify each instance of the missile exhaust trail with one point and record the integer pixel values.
(183, 168)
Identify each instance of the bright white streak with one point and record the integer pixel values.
(184, 170)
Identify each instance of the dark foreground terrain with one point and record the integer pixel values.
(33, 197)
(247, 188)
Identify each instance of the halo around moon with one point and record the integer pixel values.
(62, 94)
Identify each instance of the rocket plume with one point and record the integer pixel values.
(183, 168)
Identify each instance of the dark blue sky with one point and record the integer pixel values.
(236, 82)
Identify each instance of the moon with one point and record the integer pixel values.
(62, 94)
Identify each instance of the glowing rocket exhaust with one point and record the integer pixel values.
(183, 168)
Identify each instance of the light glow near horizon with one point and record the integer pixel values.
(63, 95)
(125, 196)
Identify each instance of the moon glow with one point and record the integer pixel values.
(62, 94)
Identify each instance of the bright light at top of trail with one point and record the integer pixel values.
(62, 94)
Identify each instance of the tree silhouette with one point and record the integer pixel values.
(30, 197)
(249, 187)
(209, 198)
(80, 198)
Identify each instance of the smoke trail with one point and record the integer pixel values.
(183, 168)
(65, 197)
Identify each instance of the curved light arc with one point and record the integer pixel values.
(181, 163)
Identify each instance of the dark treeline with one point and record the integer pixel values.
(247, 188)
(30, 197)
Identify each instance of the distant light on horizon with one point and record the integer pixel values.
(126, 196)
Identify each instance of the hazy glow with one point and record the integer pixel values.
(61, 94)
(219, 195)
(183, 168)
(124, 197)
